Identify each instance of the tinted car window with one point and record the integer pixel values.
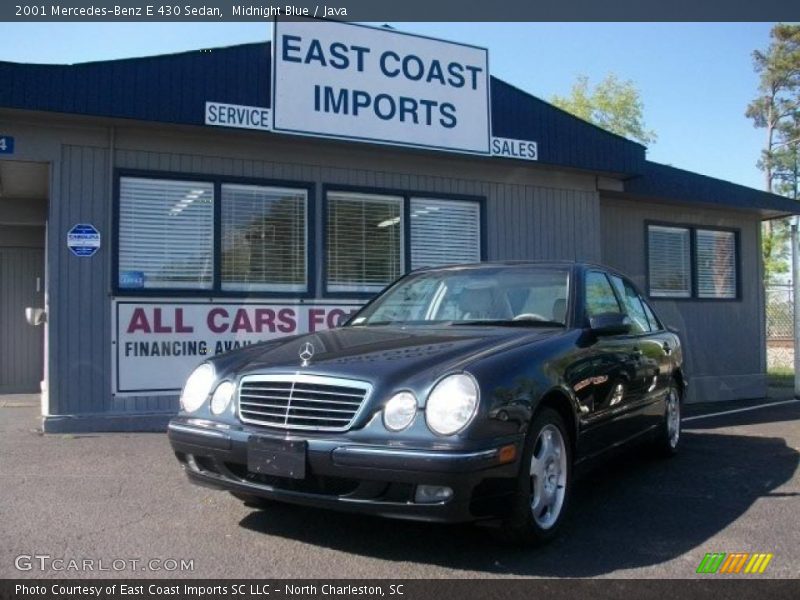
(655, 324)
(600, 297)
(633, 305)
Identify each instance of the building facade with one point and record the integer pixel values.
(152, 234)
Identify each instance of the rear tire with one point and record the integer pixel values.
(668, 437)
(544, 484)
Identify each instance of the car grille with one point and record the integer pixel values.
(298, 401)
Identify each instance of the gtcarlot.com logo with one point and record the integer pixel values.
(734, 562)
(45, 562)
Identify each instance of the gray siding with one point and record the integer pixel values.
(79, 309)
(531, 213)
(724, 340)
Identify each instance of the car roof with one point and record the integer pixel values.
(520, 263)
(572, 265)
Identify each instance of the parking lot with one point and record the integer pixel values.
(735, 487)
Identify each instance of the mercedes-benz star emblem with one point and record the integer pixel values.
(306, 353)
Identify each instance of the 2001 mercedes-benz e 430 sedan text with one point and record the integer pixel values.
(459, 393)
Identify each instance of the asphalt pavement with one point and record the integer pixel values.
(734, 487)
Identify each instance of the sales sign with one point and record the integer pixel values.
(349, 81)
(156, 344)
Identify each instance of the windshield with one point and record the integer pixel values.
(486, 295)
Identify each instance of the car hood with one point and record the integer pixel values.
(381, 353)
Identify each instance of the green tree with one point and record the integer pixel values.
(776, 109)
(612, 104)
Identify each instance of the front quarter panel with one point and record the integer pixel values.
(514, 382)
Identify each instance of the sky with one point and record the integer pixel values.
(695, 79)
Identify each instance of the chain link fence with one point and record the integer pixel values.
(780, 329)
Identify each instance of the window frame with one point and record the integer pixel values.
(215, 291)
(405, 196)
(160, 291)
(693, 228)
(307, 234)
(736, 272)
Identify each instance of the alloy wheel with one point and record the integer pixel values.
(548, 476)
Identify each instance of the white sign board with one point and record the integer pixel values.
(156, 344)
(237, 115)
(350, 81)
(519, 149)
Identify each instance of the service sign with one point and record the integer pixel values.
(221, 114)
(349, 81)
(156, 344)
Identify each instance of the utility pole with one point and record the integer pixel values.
(796, 308)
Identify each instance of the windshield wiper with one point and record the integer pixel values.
(510, 323)
(400, 323)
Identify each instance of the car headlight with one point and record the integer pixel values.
(452, 404)
(222, 397)
(399, 411)
(197, 387)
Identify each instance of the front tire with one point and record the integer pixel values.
(669, 434)
(544, 484)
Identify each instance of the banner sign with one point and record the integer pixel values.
(156, 344)
(350, 81)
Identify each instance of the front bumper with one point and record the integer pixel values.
(343, 475)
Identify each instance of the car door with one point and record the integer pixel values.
(651, 348)
(668, 346)
(615, 373)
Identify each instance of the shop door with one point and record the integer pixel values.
(21, 344)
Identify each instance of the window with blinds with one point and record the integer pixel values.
(716, 263)
(364, 238)
(166, 233)
(669, 258)
(264, 235)
(444, 232)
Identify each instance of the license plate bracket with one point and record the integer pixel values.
(281, 458)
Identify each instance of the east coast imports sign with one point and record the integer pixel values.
(352, 82)
(156, 344)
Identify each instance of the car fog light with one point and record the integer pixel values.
(431, 494)
(399, 411)
(221, 398)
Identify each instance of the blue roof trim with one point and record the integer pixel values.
(174, 88)
(562, 138)
(669, 183)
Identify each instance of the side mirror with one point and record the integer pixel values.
(610, 324)
(35, 316)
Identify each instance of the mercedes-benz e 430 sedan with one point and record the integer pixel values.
(459, 393)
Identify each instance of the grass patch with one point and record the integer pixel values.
(780, 377)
